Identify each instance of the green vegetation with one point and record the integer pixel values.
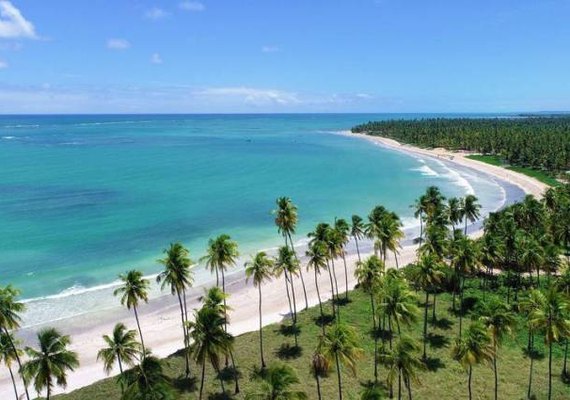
(500, 312)
(537, 143)
(539, 175)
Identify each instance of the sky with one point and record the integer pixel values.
(257, 56)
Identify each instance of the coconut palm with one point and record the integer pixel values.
(531, 256)
(534, 301)
(317, 261)
(341, 346)
(563, 286)
(466, 259)
(280, 268)
(210, 341)
(286, 219)
(323, 234)
(48, 366)
(260, 269)
(473, 348)
(177, 275)
(8, 356)
(500, 322)
(420, 209)
(399, 303)
(433, 200)
(470, 209)
(343, 233)
(147, 381)
(403, 363)
(454, 211)
(10, 310)
(276, 383)
(287, 264)
(121, 348)
(134, 290)
(551, 318)
(369, 275)
(320, 368)
(357, 231)
(428, 273)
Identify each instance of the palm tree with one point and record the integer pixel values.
(317, 260)
(399, 303)
(473, 348)
(341, 346)
(147, 381)
(470, 209)
(288, 265)
(210, 341)
(357, 231)
(466, 258)
(531, 256)
(403, 363)
(550, 317)
(371, 392)
(286, 219)
(323, 234)
(122, 348)
(428, 273)
(8, 356)
(369, 275)
(178, 276)
(10, 310)
(260, 269)
(433, 200)
(133, 290)
(51, 362)
(320, 367)
(529, 305)
(563, 286)
(276, 384)
(420, 210)
(343, 232)
(500, 321)
(454, 211)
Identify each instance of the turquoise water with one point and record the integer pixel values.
(83, 198)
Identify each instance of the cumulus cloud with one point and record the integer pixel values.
(118, 44)
(156, 13)
(194, 6)
(3, 64)
(270, 49)
(13, 24)
(156, 59)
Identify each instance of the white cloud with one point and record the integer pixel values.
(118, 44)
(13, 24)
(194, 6)
(156, 59)
(156, 13)
(3, 64)
(270, 49)
(251, 96)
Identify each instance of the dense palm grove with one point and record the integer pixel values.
(538, 142)
(514, 278)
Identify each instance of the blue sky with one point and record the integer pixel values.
(71, 56)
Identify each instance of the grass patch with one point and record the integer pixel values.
(443, 379)
(539, 175)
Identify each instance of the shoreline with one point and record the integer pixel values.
(160, 319)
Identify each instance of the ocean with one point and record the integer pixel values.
(84, 198)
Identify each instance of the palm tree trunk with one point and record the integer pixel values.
(465, 231)
(538, 276)
(530, 350)
(421, 231)
(564, 368)
(469, 382)
(236, 376)
(461, 304)
(375, 332)
(18, 360)
(390, 331)
(140, 331)
(221, 380)
(185, 333)
(496, 374)
(338, 376)
(357, 248)
(294, 313)
(409, 386)
(396, 259)
(433, 317)
(260, 330)
(217, 278)
(332, 288)
(288, 295)
(13, 382)
(300, 270)
(399, 384)
(550, 370)
(334, 276)
(121, 373)
(202, 378)
(48, 394)
(318, 387)
(185, 305)
(320, 302)
(425, 325)
(345, 277)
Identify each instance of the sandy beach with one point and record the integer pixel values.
(160, 319)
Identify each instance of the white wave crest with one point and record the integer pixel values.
(426, 171)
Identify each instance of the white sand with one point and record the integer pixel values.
(161, 324)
